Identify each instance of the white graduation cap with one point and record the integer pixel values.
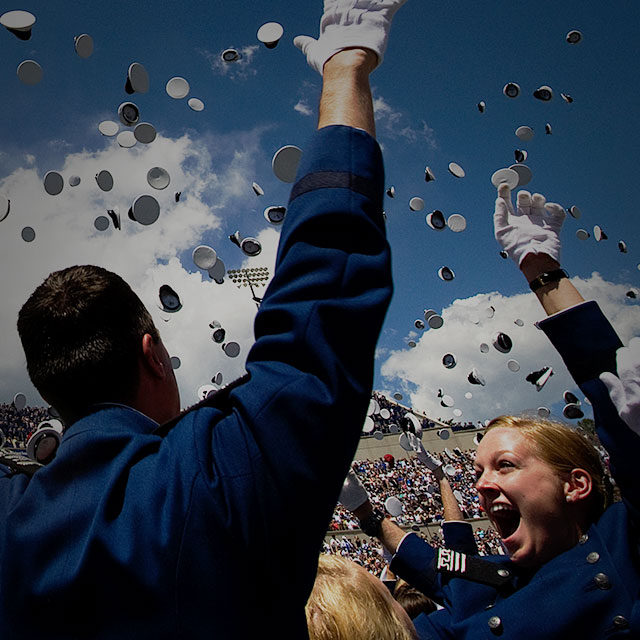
(230, 55)
(403, 441)
(378, 435)
(508, 176)
(412, 343)
(477, 438)
(19, 23)
(468, 395)
(570, 398)
(544, 93)
(158, 178)
(540, 378)
(393, 506)
(391, 191)
(574, 212)
(5, 207)
(413, 424)
(231, 349)
(108, 128)
(429, 176)
(218, 334)
(29, 72)
(19, 401)
(270, 33)
(457, 412)
(582, 234)
(275, 214)
(285, 162)
(115, 218)
(373, 408)
(572, 411)
(195, 104)
(456, 170)
(416, 204)
(519, 322)
(482, 105)
(524, 133)
(435, 321)
(502, 342)
(543, 412)
(257, 189)
(145, 133)
(511, 90)
(204, 257)
(524, 173)
(145, 210)
(53, 183)
(444, 434)
(436, 220)
(169, 299)
(126, 139)
(622, 245)
(83, 45)
(250, 246)
(175, 362)
(520, 155)
(513, 365)
(205, 391)
(217, 378)
(216, 273)
(457, 222)
(631, 294)
(74, 181)
(475, 378)
(446, 274)
(104, 180)
(547, 129)
(566, 97)
(449, 360)
(101, 223)
(385, 414)
(446, 401)
(398, 396)
(137, 79)
(599, 234)
(484, 347)
(44, 442)
(129, 114)
(490, 311)
(418, 324)
(574, 36)
(177, 88)
(369, 425)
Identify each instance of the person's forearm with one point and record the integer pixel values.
(555, 296)
(346, 94)
(451, 509)
(390, 532)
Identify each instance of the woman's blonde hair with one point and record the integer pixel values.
(563, 449)
(346, 605)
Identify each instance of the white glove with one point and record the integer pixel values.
(624, 389)
(345, 24)
(533, 228)
(353, 493)
(431, 462)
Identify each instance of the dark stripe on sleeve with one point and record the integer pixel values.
(335, 180)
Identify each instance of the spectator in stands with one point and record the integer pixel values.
(140, 531)
(348, 603)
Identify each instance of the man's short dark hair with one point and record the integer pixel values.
(81, 331)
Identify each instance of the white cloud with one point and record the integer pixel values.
(237, 70)
(144, 256)
(418, 373)
(302, 107)
(393, 123)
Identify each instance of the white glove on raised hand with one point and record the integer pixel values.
(431, 462)
(353, 494)
(347, 24)
(534, 227)
(624, 389)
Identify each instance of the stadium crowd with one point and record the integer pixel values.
(17, 426)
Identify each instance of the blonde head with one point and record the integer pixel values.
(348, 604)
(563, 449)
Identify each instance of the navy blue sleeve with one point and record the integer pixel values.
(458, 536)
(588, 344)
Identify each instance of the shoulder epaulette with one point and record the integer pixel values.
(18, 462)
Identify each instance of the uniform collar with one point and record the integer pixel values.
(112, 417)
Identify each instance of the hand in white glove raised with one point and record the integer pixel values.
(431, 462)
(533, 227)
(624, 389)
(353, 494)
(348, 24)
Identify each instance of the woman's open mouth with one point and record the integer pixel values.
(505, 518)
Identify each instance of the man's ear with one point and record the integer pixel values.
(152, 356)
(578, 486)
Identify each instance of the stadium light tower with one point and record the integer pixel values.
(250, 277)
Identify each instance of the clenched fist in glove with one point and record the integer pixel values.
(348, 24)
(532, 228)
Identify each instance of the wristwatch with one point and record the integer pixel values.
(371, 525)
(547, 277)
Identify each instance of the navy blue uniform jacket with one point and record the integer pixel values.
(590, 591)
(130, 535)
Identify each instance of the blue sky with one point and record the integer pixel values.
(441, 61)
